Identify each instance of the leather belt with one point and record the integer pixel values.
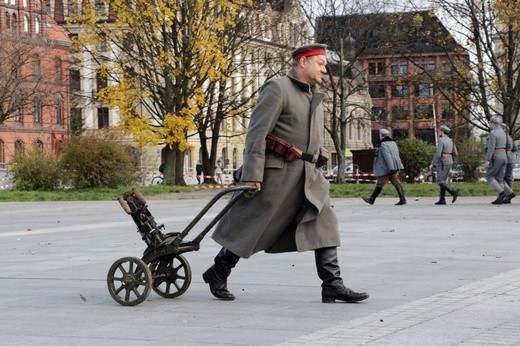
(313, 158)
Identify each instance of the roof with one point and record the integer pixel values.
(55, 32)
(388, 33)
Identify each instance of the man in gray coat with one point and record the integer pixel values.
(511, 160)
(291, 210)
(496, 160)
(387, 165)
(443, 161)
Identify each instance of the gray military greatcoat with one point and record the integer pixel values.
(387, 158)
(496, 155)
(292, 212)
(443, 158)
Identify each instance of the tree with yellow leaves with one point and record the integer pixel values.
(159, 57)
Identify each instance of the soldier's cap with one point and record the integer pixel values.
(445, 129)
(497, 119)
(384, 132)
(309, 50)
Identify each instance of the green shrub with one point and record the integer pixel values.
(98, 160)
(36, 171)
(416, 156)
(471, 156)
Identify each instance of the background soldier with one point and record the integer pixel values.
(443, 161)
(387, 165)
(511, 160)
(496, 160)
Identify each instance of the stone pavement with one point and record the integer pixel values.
(437, 275)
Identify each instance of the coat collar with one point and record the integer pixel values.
(300, 84)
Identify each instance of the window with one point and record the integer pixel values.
(58, 109)
(2, 151)
(425, 65)
(18, 115)
(75, 80)
(445, 66)
(76, 121)
(400, 112)
(427, 135)
(424, 112)
(101, 81)
(399, 90)
(399, 68)
(378, 114)
(37, 111)
(447, 111)
(425, 90)
(103, 118)
(376, 91)
(376, 68)
(36, 66)
(16, 64)
(38, 145)
(7, 20)
(57, 70)
(18, 147)
(399, 134)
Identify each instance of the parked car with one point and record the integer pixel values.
(516, 172)
(333, 173)
(456, 174)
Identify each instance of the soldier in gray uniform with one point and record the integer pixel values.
(496, 160)
(443, 161)
(511, 160)
(387, 165)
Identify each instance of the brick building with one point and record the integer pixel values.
(408, 58)
(34, 89)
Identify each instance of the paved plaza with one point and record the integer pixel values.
(436, 275)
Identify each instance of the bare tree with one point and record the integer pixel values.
(22, 60)
(346, 76)
(489, 83)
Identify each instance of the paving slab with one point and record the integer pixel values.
(436, 275)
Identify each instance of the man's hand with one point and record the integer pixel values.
(250, 193)
(486, 164)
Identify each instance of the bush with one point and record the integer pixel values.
(36, 171)
(416, 156)
(98, 160)
(471, 156)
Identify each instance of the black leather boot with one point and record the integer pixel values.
(216, 276)
(442, 196)
(400, 192)
(500, 199)
(508, 198)
(454, 193)
(332, 288)
(375, 193)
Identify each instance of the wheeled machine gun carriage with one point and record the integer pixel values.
(162, 267)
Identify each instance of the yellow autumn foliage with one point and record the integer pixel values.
(173, 47)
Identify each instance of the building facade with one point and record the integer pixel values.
(408, 58)
(34, 91)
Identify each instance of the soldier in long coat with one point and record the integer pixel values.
(387, 165)
(496, 160)
(291, 210)
(511, 160)
(443, 161)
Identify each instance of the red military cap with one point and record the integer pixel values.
(309, 50)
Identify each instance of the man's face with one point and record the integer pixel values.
(314, 67)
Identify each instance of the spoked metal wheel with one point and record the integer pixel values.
(171, 276)
(129, 281)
